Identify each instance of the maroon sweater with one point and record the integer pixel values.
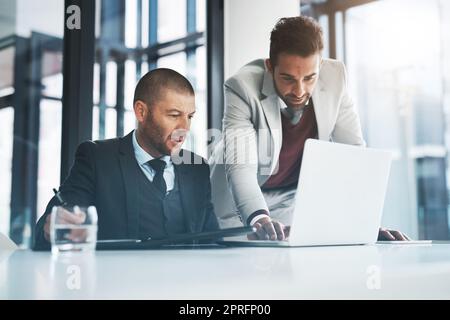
(291, 154)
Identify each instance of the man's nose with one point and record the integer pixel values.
(184, 123)
(299, 89)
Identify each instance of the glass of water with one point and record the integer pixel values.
(73, 229)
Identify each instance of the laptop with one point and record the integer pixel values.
(339, 199)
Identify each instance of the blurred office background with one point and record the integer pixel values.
(397, 54)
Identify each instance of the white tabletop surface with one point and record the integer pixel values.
(341, 272)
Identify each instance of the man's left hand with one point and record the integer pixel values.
(391, 235)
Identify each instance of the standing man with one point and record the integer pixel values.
(138, 188)
(271, 107)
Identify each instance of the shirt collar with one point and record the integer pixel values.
(268, 88)
(283, 104)
(142, 156)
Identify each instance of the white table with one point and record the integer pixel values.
(344, 272)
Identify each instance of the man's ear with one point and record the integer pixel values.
(140, 110)
(269, 65)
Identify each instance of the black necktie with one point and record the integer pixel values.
(158, 180)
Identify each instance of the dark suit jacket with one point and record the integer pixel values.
(105, 173)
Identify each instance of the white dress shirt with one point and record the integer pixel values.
(143, 158)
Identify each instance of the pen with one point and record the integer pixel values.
(58, 196)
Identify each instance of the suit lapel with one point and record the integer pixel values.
(271, 110)
(186, 178)
(130, 174)
(321, 102)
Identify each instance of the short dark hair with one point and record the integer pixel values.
(300, 35)
(150, 86)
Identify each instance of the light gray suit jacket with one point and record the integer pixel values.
(247, 153)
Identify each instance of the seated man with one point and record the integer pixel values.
(138, 188)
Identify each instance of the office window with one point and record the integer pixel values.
(171, 23)
(334, 47)
(402, 93)
(30, 94)
(6, 146)
(131, 25)
(111, 83)
(199, 126)
(96, 93)
(323, 21)
(175, 61)
(95, 122)
(340, 36)
(111, 123)
(7, 53)
(130, 82)
(398, 64)
(139, 35)
(398, 73)
(132, 37)
(49, 162)
(52, 78)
